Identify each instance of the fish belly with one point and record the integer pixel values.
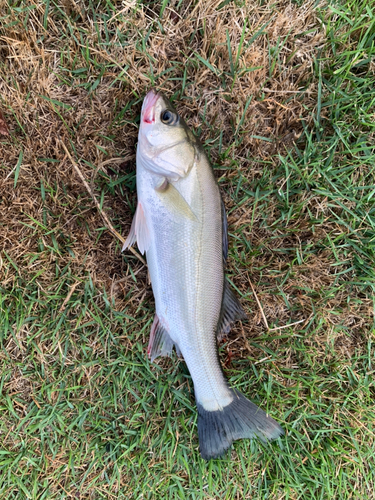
(186, 269)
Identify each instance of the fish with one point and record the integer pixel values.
(181, 225)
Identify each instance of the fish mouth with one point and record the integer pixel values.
(148, 107)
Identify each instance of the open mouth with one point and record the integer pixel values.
(148, 108)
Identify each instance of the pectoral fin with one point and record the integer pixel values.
(138, 232)
(174, 201)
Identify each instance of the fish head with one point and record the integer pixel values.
(165, 144)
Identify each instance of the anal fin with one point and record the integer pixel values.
(160, 343)
(231, 311)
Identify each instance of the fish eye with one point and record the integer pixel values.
(168, 117)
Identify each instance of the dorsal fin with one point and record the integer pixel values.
(225, 231)
(231, 311)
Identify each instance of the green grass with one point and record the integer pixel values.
(84, 414)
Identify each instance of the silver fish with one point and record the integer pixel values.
(180, 223)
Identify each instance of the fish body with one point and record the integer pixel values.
(180, 223)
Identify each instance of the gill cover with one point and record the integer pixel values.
(165, 146)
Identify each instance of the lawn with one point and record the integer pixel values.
(282, 96)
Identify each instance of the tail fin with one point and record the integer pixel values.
(240, 419)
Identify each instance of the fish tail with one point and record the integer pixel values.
(240, 419)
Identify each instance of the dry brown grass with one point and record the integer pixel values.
(30, 74)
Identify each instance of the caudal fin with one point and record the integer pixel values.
(240, 419)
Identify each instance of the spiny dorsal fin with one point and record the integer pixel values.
(225, 231)
(231, 311)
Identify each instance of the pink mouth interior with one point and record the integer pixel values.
(148, 108)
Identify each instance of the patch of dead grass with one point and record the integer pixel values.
(33, 88)
(30, 86)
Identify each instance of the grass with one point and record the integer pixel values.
(282, 96)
